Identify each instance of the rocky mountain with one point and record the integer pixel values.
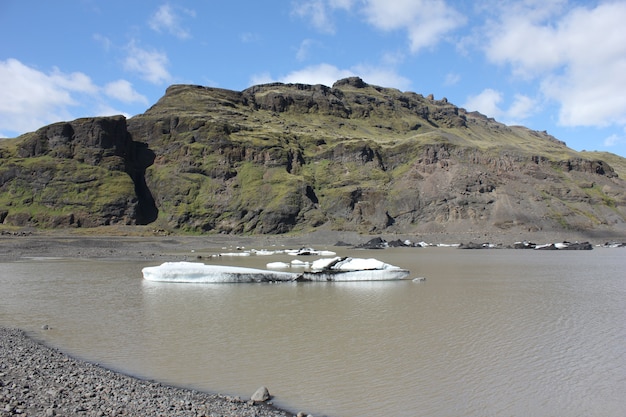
(276, 158)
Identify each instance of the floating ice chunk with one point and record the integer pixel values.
(325, 269)
(193, 272)
(321, 264)
(350, 264)
(297, 263)
(359, 264)
(235, 254)
(309, 251)
(264, 252)
(278, 265)
(543, 246)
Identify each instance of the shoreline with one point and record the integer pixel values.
(36, 379)
(143, 244)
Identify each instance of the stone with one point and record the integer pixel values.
(261, 395)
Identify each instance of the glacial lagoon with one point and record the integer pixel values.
(489, 332)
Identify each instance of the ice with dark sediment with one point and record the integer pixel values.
(325, 269)
(353, 269)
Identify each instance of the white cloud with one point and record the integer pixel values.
(615, 139)
(489, 101)
(452, 79)
(166, 19)
(427, 22)
(318, 13)
(31, 98)
(123, 91)
(150, 65)
(341, 4)
(579, 57)
(522, 108)
(249, 37)
(103, 40)
(486, 102)
(262, 78)
(327, 74)
(303, 50)
(104, 109)
(382, 76)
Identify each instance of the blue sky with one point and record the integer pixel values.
(553, 65)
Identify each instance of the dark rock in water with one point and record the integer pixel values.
(398, 244)
(376, 243)
(342, 243)
(472, 245)
(260, 395)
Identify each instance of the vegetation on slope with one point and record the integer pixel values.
(284, 157)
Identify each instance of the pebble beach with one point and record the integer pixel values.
(36, 380)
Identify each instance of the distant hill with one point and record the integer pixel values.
(277, 158)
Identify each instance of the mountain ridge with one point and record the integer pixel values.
(278, 158)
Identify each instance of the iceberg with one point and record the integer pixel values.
(353, 269)
(195, 272)
(325, 269)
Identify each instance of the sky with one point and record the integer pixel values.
(551, 65)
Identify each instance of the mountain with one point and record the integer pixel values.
(277, 158)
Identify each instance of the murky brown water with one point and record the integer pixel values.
(491, 332)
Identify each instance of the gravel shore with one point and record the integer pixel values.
(36, 380)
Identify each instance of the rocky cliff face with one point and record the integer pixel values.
(276, 158)
(86, 173)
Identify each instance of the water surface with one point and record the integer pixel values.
(490, 332)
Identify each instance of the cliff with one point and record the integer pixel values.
(277, 158)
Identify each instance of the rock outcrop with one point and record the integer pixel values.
(82, 173)
(276, 158)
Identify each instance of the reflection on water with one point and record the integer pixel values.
(495, 332)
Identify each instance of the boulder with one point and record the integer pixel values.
(261, 395)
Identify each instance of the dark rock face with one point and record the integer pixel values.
(74, 157)
(281, 157)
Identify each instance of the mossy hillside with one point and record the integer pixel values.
(340, 158)
(44, 188)
(284, 157)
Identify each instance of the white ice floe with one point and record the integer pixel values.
(278, 265)
(201, 273)
(297, 263)
(264, 252)
(309, 251)
(353, 269)
(325, 269)
(350, 264)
